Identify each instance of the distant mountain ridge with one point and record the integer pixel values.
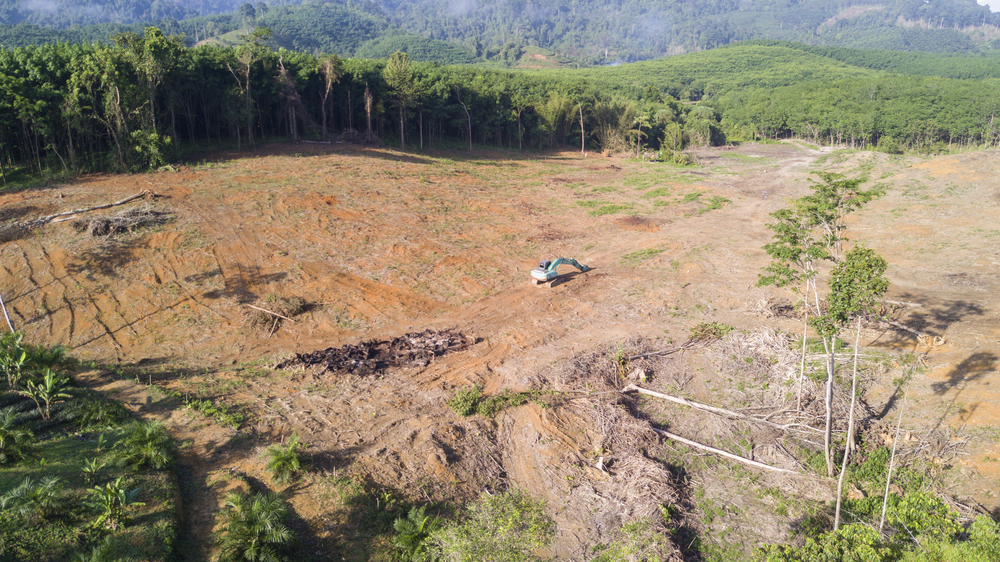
(591, 32)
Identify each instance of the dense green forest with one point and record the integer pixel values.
(590, 32)
(132, 105)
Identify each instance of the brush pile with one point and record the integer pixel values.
(415, 349)
(125, 221)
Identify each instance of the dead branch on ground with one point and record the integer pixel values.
(718, 411)
(720, 452)
(11, 231)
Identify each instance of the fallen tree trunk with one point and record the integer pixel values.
(10, 231)
(722, 453)
(705, 407)
(40, 221)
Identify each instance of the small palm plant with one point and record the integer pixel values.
(145, 444)
(283, 461)
(50, 390)
(13, 358)
(15, 442)
(253, 528)
(34, 501)
(412, 532)
(101, 413)
(113, 501)
(40, 357)
(90, 470)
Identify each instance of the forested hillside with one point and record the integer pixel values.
(944, 65)
(590, 32)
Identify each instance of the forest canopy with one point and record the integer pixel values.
(133, 104)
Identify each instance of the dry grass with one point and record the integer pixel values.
(285, 306)
(641, 486)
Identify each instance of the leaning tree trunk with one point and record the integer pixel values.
(849, 448)
(828, 433)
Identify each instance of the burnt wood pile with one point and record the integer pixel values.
(415, 349)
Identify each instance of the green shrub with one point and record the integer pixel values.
(112, 502)
(283, 461)
(15, 442)
(507, 398)
(13, 358)
(465, 401)
(101, 413)
(103, 552)
(218, 412)
(640, 542)
(470, 401)
(34, 501)
(852, 543)
(40, 357)
(505, 527)
(412, 533)
(253, 528)
(146, 444)
(91, 468)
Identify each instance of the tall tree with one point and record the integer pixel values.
(330, 70)
(856, 288)
(251, 50)
(402, 88)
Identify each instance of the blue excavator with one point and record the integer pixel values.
(547, 273)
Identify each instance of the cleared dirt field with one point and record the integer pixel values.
(379, 243)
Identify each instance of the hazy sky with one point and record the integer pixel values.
(993, 4)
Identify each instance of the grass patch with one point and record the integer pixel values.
(591, 203)
(221, 413)
(713, 203)
(658, 192)
(608, 210)
(605, 189)
(469, 401)
(691, 197)
(638, 256)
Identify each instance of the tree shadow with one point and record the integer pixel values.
(930, 316)
(240, 286)
(411, 156)
(106, 259)
(13, 213)
(973, 368)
